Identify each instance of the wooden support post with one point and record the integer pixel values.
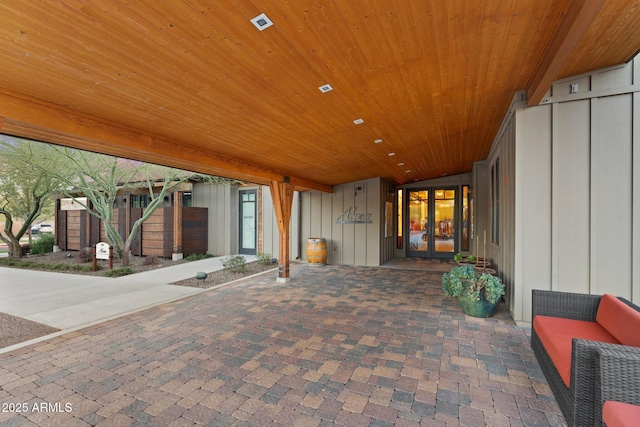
(177, 226)
(282, 195)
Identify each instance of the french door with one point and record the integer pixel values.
(431, 221)
(248, 222)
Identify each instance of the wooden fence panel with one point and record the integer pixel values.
(73, 230)
(195, 230)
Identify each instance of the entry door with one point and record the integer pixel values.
(248, 222)
(432, 222)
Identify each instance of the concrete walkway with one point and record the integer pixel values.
(70, 301)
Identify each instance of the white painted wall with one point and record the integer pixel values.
(354, 244)
(575, 211)
(271, 235)
(222, 203)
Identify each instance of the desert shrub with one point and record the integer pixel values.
(235, 263)
(119, 272)
(264, 258)
(85, 255)
(150, 260)
(197, 257)
(43, 244)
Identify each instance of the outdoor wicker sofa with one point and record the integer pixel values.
(598, 368)
(618, 382)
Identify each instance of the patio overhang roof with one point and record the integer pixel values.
(195, 85)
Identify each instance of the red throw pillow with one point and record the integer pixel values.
(620, 320)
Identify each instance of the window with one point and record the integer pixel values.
(400, 224)
(139, 201)
(495, 202)
(466, 216)
(186, 200)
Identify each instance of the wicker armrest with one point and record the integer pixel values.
(565, 304)
(617, 376)
(584, 361)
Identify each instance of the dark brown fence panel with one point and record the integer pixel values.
(94, 238)
(167, 232)
(195, 231)
(84, 238)
(61, 230)
(136, 244)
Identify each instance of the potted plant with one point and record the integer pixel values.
(458, 258)
(479, 293)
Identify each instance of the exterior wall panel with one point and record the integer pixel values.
(349, 219)
(611, 195)
(571, 197)
(532, 264)
(576, 205)
(271, 234)
(222, 203)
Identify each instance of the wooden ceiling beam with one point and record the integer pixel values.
(35, 119)
(574, 26)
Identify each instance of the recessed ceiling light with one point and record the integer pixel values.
(325, 88)
(378, 141)
(401, 164)
(408, 171)
(392, 154)
(358, 121)
(261, 22)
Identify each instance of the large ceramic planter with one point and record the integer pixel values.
(481, 308)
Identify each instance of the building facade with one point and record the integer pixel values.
(555, 205)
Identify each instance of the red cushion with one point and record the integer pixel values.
(622, 321)
(557, 333)
(618, 414)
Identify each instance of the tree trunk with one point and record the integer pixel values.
(125, 253)
(15, 250)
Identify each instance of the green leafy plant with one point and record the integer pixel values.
(457, 257)
(43, 244)
(197, 257)
(465, 280)
(119, 272)
(471, 258)
(235, 263)
(264, 258)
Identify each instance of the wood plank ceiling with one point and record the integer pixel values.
(193, 84)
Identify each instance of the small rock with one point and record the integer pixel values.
(201, 275)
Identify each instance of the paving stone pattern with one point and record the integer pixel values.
(337, 345)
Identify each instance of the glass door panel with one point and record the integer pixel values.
(431, 223)
(418, 224)
(444, 213)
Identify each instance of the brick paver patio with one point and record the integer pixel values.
(337, 345)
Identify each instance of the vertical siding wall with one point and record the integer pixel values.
(353, 244)
(575, 211)
(501, 254)
(270, 233)
(222, 202)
